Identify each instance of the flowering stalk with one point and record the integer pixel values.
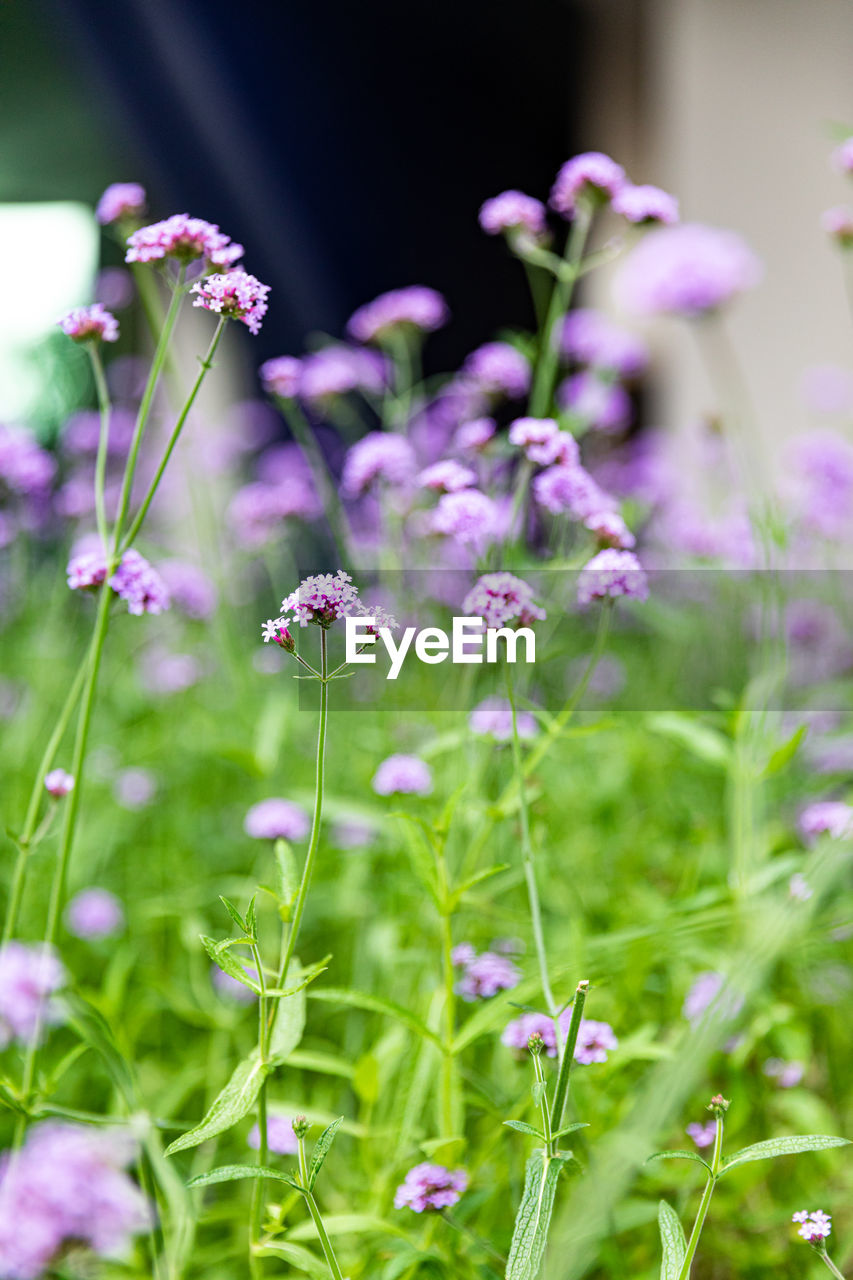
(325, 1242)
(567, 1061)
(820, 1250)
(561, 297)
(719, 1107)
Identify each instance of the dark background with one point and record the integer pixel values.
(347, 145)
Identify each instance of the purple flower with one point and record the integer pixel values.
(184, 238)
(512, 211)
(322, 599)
(380, 455)
(134, 581)
(416, 307)
(67, 1186)
(277, 819)
(403, 775)
(236, 295)
(591, 175)
(29, 974)
(612, 573)
(486, 975)
(686, 270)
(842, 156)
(589, 337)
(645, 204)
(94, 913)
(815, 1226)
(25, 467)
(595, 1039)
(135, 788)
(256, 511)
(337, 369)
(826, 817)
(469, 516)
(492, 718)
(430, 1186)
(281, 376)
(820, 467)
(447, 476)
(475, 434)
(837, 222)
(189, 588)
(610, 530)
(499, 369)
(120, 200)
(786, 1074)
(90, 324)
(543, 442)
(603, 405)
(702, 1134)
(280, 1136)
(517, 1033)
(462, 955)
(501, 599)
(58, 783)
(232, 988)
(707, 989)
(571, 489)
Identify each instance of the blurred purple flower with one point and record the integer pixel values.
(492, 718)
(94, 913)
(543, 442)
(403, 775)
(114, 288)
(512, 211)
(380, 455)
(280, 1136)
(610, 530)
(256, 511)
(82, 431)
(277, 819)
(475, 434)
(595, 1040)
(120, 200)
(468, 516)
(416, 307)
(799, 888)
(591, 175)
(25, 467)
(600, 404)
(827, 388)
(706, 990)
(591, 338)
(499, 369)
(826, 817)
(645, 204)
(90, 324)
(702, 1134)
(786, 1074)
(446, 476)
(612, 573)
(30, 973)
(837, 222)
(686, 270)
(571, 489)
(337, 369)
(232, 988)
(486, 975)
(134, 788)
(430, 1186)
(189, 588)
(58, 783)
(281, 376)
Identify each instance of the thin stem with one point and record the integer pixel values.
(704, 1203)
(567, 1061)
(206, 364)
(527, 859)
(103, 441)
(561, 297)
(263, 1135)
(325, 1242)
(323, 480)
(447, 1117)
(832, 1267)
(543, 1101)
(25, 840)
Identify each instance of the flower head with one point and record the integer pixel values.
(469, 516)
(120, 200)
(786, 1074)
(380, 455)
(233, 988)
(594, 1041)
(236, 295)
(134, 581)
(280, 1136)
(814, 1226)
(499, 369)
(281, 376)
(403, 775)
(416, 308)
(826, 817)
(707, 988)
(474, 434)
(322, 599)
(185, 239)
(610, 530)
(842, 156)
(94, 913)
(337, 369)
(543, 442)
(645, 204)
(492, 718)
(512, 211)
(447, 476)
(501, 599)
(462, 955)
(90, 324)
(58, 783)
(276, 819)
(189, 588)
(591, 338)
(702, 1134)
(430, 1186)
(25, 467)
(610, 574)
(686, 270)
(29, 974)
(598, 402)
(487, 974)
(591, 175)
(572, 489)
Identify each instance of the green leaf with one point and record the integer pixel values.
(524, 1128)
(307, 975)
(679, 1155)
(375, 1004)
(298, 1257)
(229, 964)
(539, 1091)
(8, 1099)
(289, 1026)
(784, 754)
(235, 1101)
(321, 1150)
(234, 913)
(701, 741)
(570, 1128)
(530, 1234)
(462, 889)
(252, 919)
(672, 1240)
(234, 1172)
(782, 1147)
(287, 878)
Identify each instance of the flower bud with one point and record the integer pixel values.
(535, 1043)
(719, 1105)
(58, 783)
(300, 1126)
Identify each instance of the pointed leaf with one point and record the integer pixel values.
(782, 755)
(252, 919)
(524, 1128)
(672, 1240)
(307, 975)
(289, 1026)
(229, 964)
(287, 878)
(570, 1128)
(298, 1257)
(530, 1234)
(679, 1155)
(462, 889)
(788, 1146)
(234, 913)
(321, 1150)
(235, 1101)
(539, 1091)
(234, 1172)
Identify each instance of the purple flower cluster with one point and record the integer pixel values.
(837, 222)
(786, 1074)
(236, 295)
(257, 510)
(571, 489)
(446, 476)
(67, 1185)
(492, 718)
(430, 1186)
(687, 270)
(814, 1226)
(498, 369)
(134, 581)
(512, 211)
(276, 819)
(708, 989)
(702, 1134)
(338, 369)
(90, 324)
(826, 817)
(416, 307)
(120, 200)
(595, 1039)
(29, 975)
(610, 530)
(280, 1136)
(185, 239)
(645, 204)
(544, 443)
(469, 516)
(58, 783)
(25, 468)
(189, 588)
(322, 599)
(591, 175)
(484, 975)
(501, 600)
(590, 338)
(474, 434)
(94, 913)
(380, 455)
(403, 775)
(611, 574)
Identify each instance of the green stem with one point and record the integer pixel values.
(543, 1102)
(206, 364)
(447, 1117)
(704, 1203)
(325, 1242)
(25, 840)
(103, 441)
(561, 297)
(567, 1061)
(825, 1258)
(263, 1136)
(323, 480)
(527, 860)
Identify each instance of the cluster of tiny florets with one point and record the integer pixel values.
(483, 975)
(235, 294)
(416, 307)
(120, 200)
(512, 211)
(90, 324)
(135, 581)
(815, 1225)
(185, 239)
(430, 1186)
(502, 599)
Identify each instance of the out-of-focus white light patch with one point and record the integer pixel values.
(48, 268)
